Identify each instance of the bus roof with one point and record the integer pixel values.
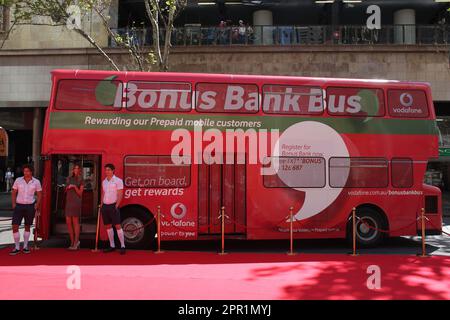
(133, 75)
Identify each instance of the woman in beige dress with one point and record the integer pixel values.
(74, 192)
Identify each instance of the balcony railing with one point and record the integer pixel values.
(294, 35)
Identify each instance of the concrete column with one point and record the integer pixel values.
(37, 139)
(336, 13)
(262, 25)
(113, 22)
(114, 14)
(336, 9)
(405, 26)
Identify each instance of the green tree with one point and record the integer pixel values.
(70, 13)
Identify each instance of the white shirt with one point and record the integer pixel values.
(110, 189)
(26, 191)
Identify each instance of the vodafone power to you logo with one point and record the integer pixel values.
(178, 211)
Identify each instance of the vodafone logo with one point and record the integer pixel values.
(406, 99)
(178, 210)
(408, 103)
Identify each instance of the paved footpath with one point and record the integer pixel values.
(5, 220)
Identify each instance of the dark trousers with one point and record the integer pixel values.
(23, 212)
(110, 214)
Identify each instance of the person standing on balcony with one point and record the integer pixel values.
(242, 31)
(249, 34)
(223, 33)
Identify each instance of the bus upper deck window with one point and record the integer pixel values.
(283, 99)
(89, 94)
(408, 103)
(350, 101)
(227, 98)
(159, 96)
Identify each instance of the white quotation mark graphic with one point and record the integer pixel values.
(374, 20)
(374, 280)
(74, 280)
(74, 19)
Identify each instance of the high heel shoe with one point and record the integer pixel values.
(75, 247)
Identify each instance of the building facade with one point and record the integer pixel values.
(280, 37)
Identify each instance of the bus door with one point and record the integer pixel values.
(222, 185)
(62, 166)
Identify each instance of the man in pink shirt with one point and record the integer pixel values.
(26, 200)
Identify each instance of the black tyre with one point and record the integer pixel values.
(136, 235)
(368, 226)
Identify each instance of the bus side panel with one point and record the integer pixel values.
(399, 205)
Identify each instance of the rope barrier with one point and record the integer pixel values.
(141, 227)
(222, 216)
(386, 231)
(399, 229)
(444, 232)
(234, 222)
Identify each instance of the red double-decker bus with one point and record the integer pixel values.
(255, 145)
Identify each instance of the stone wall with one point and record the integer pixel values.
(36, 36)
(409, 63)
(25, 74)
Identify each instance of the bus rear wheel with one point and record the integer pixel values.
(139, 228)
(368, 226)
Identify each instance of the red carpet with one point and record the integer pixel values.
(194, 275)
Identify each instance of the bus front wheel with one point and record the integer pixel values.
(369, 226)
(139, 228)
